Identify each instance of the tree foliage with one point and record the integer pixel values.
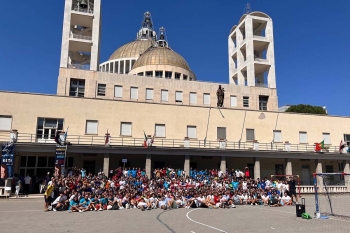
(305, 108)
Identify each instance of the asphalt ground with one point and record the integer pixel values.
(27, 215)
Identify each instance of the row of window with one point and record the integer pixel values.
(167, 75)
(46, 129)
(78, 87)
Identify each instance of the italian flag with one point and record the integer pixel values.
(145, 144)
(319, 146)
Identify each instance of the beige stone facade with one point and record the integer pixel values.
(92, 79)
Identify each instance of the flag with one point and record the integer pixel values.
(57, 137)
(319, 146)
(107, 138)
(145, 144)
(65, 134)
(341, 147)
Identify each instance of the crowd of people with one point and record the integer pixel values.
(166, 189)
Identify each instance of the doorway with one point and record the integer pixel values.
(305, 174)
(89, 166)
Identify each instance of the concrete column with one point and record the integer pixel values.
(148, 167)
(289, 168)
(187, 165)
(106, 164)
(118, 67)
(130, 65)
(223, 164)
(319, 178)
(347, 177)
(256, 168)
(124, 71)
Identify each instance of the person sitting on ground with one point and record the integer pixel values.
(286, 200)
(59, 203)
(74, 205)
(85, 203)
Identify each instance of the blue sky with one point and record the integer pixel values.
(311, 42)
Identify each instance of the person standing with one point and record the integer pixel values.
(47, 195)
(27, 183)
(292, 189)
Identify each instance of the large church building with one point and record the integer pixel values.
(146, 91)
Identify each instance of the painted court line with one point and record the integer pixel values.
(202, 223)
(287, 212)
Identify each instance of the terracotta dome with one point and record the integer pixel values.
(161, 56)
(132, 49)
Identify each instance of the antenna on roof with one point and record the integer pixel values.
(247, 9)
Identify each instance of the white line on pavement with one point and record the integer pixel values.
(202, 223)
(269, 209)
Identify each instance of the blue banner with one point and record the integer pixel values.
(8, 158)
(60, 154)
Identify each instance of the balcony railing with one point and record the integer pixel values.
(79, 67)
(83, 10)
(262, 85)
(169, 143)
(80, 37)
(310, 189)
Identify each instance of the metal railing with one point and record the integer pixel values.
(80, 37)
(168, 143)
(79, 67)
(262, 85)
(83, 10)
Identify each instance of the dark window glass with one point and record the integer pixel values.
(31, 161)
(23, 161)
(42, 161)
(51, 162)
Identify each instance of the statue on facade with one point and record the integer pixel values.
(220, 93)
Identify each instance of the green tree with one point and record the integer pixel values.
(305, 108)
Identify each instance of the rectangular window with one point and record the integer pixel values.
(177, 76)
(263, 102)
(164, 95)
(5, 123)
(250, 134)
(149, 73)
(302, 137)
(140, 74)
(206, 99)
(233, 100)
(149, 94)
(91, 127)
(326, 138)
(160, 130)
(246, 101)
(118, 91)
(185, 77)
(159, 74)
(192, 131)
(134, 93)
(125, 129)
(193, 98)
(277, 136)
(178, 96)
(101, 89)
(77, 87)
(47, 127)
(347, 139)
(168, 74)
(221, 132)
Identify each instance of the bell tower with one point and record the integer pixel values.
(81, 35)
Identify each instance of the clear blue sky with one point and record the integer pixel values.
(311, 42)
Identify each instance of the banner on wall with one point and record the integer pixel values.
(60, 155)
(7, 158)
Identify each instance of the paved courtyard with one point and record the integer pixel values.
(27, 215)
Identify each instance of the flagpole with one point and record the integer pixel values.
(65, 152)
